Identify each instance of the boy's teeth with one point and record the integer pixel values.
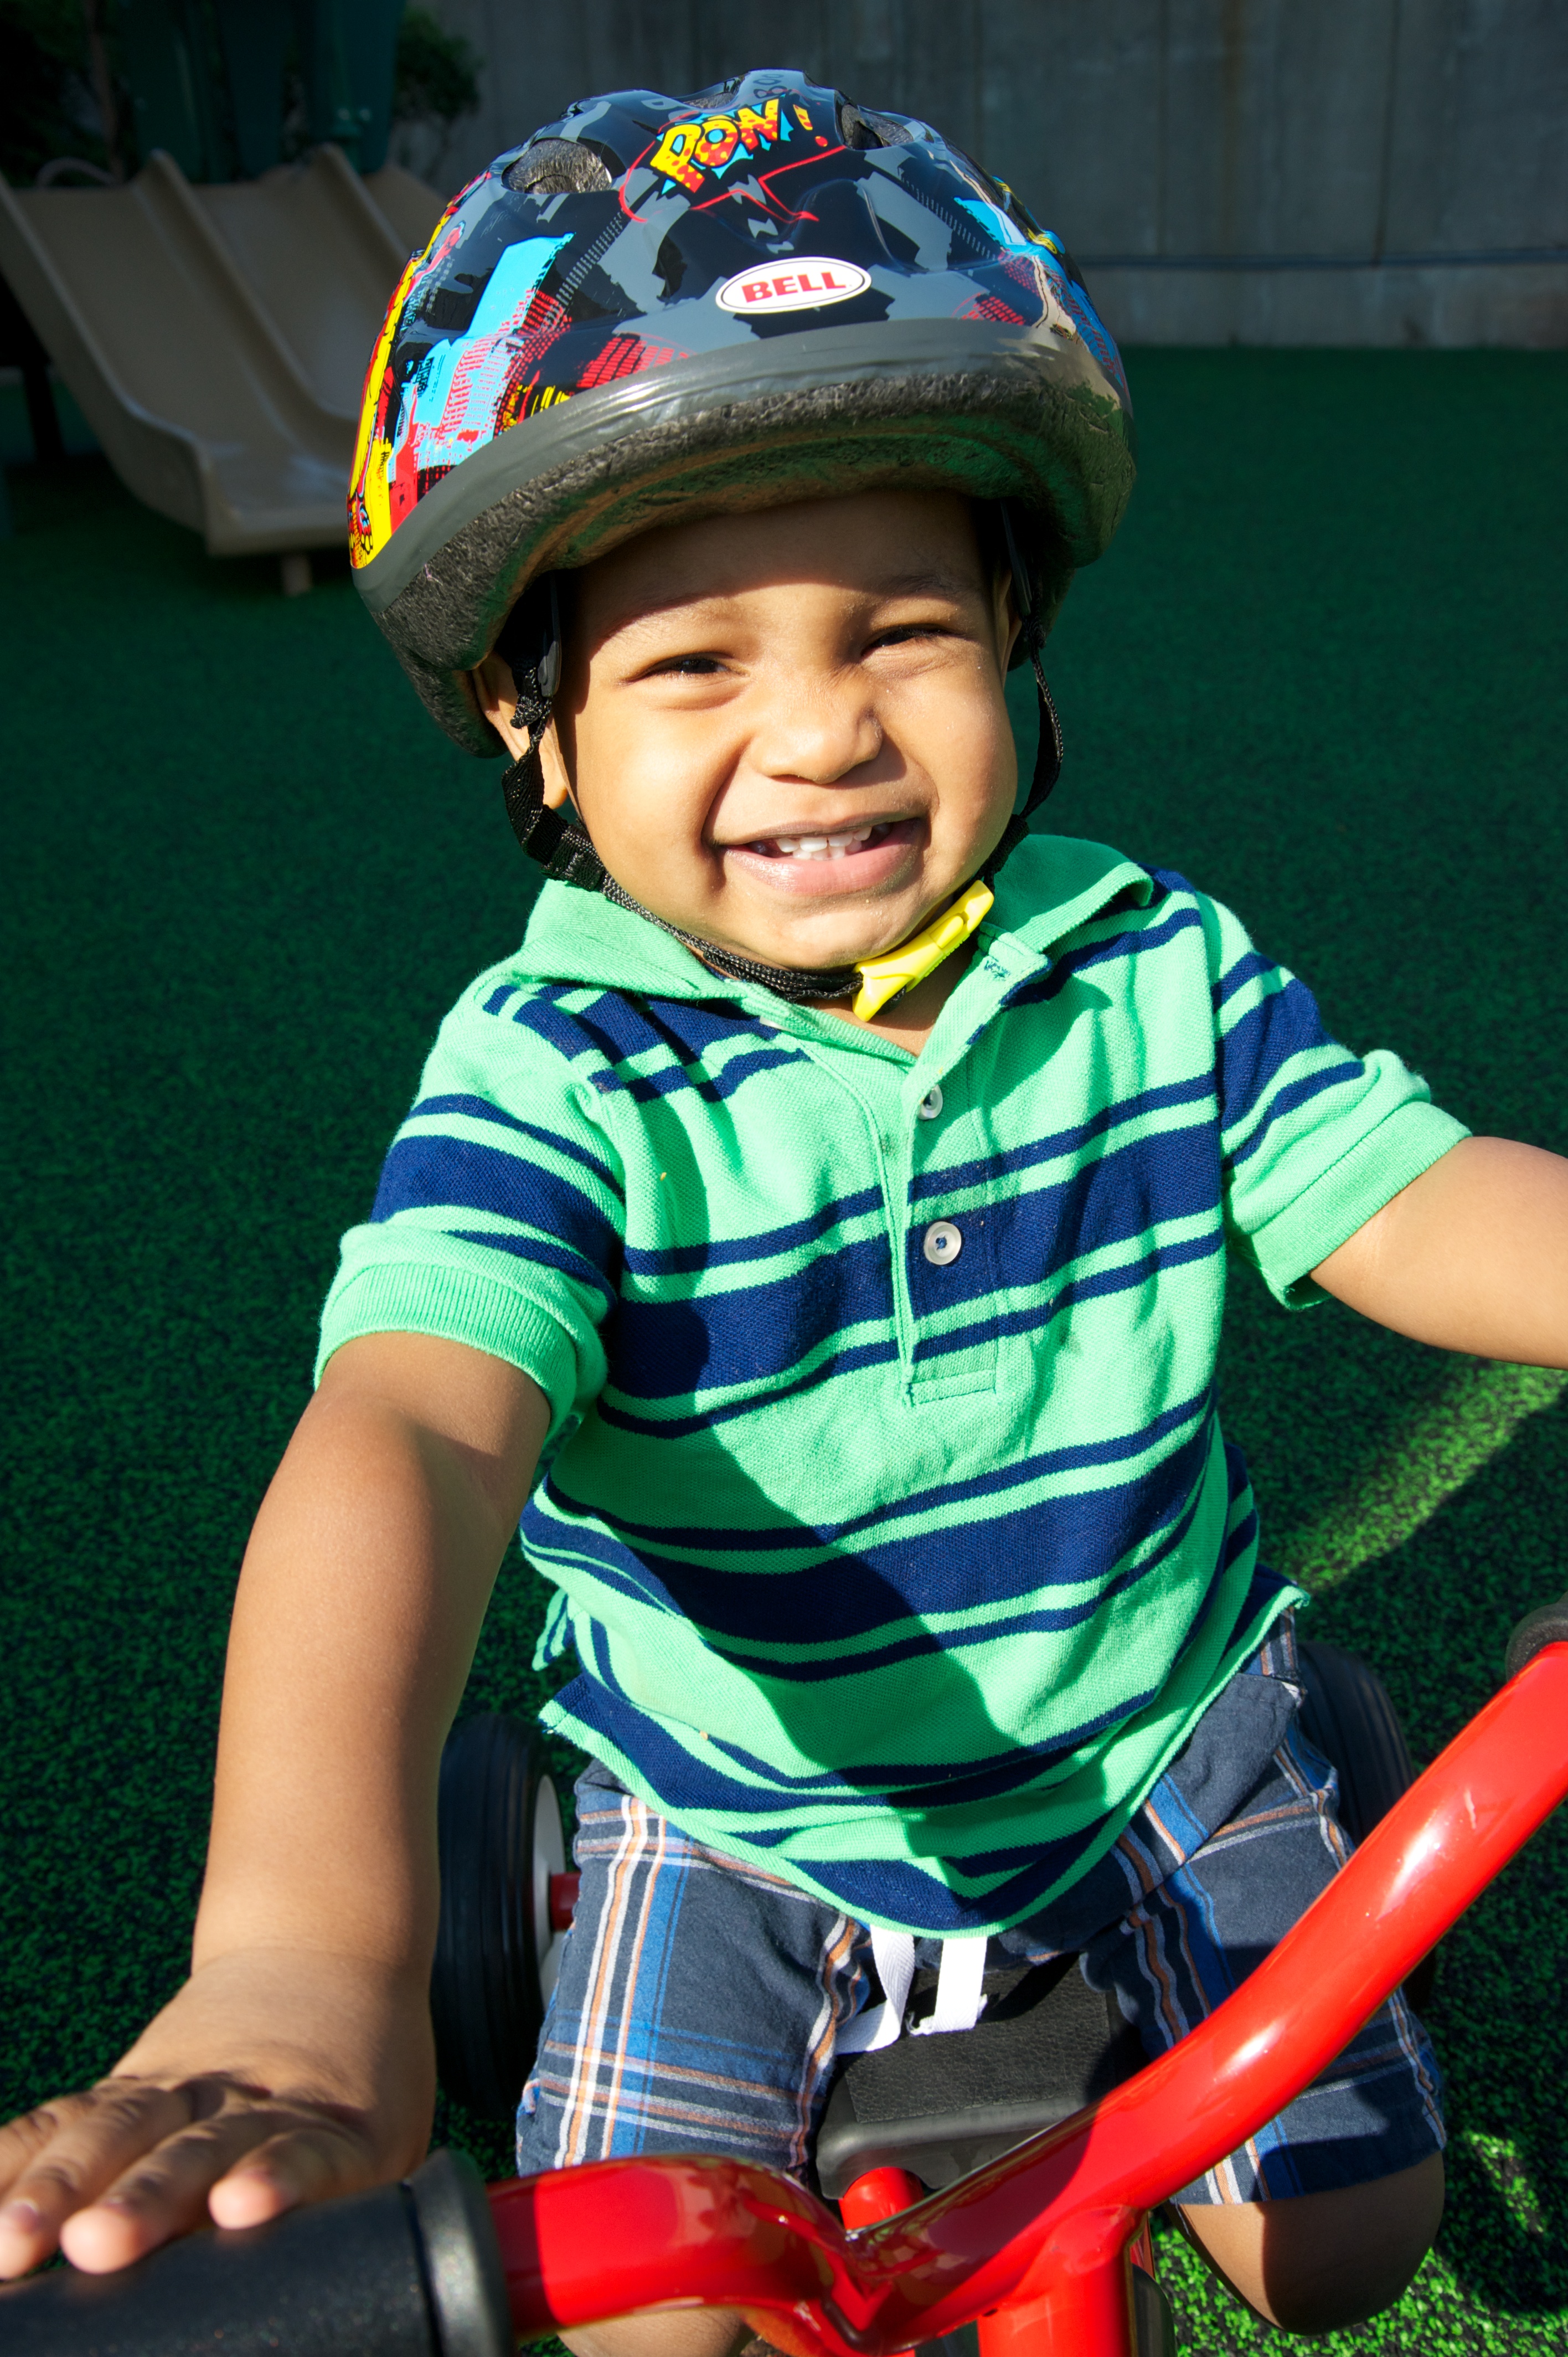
(837, 846)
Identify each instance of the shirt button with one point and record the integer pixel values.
(943, 1242)
(930, 1104)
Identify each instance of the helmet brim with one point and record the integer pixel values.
(1024, 413)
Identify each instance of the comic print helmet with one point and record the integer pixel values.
(657, 309)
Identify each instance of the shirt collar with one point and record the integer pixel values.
(1051, 885)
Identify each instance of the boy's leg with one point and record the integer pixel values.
(1323, 2217)
(696, 2010)
(689, 2332)
(1320, 2260)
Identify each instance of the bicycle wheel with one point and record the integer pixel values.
(1348, 1715)
(497, 1949)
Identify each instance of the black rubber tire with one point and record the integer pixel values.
(1348, 1717)
(500, 1839)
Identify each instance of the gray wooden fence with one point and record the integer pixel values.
(1254, 171)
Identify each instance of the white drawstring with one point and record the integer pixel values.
(878, 2026)
(961, 1997)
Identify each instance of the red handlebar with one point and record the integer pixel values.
(583, 2244)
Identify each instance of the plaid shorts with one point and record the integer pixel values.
(700, 1998)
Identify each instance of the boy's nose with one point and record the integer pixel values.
(819, 732)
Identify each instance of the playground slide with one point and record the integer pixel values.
(216, 337)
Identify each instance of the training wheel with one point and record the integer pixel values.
(506, 1901)
(1349, 1716)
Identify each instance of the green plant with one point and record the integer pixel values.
(437, 76)
(47, 107)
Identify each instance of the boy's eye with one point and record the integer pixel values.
(686, 667)
(905, 633)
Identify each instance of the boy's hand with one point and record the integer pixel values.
(271, 2079)
(298, 2059)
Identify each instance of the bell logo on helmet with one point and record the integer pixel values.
(801, 285)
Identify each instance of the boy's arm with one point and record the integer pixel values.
(297, 2060)
(1473, 1255)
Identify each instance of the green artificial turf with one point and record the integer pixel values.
(1321, 672)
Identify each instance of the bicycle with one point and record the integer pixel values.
(1044, 2248)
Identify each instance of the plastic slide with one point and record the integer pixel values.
(216, 339)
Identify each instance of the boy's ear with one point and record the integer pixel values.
(495, 692)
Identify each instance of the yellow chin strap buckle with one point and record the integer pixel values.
(882, 978)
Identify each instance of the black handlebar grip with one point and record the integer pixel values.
(410, 2270)
(1547, 1625)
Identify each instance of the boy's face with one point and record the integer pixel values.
(786, 733)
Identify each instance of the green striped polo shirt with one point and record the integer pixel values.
(886, 1504)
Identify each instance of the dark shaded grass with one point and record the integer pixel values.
(1321, 674)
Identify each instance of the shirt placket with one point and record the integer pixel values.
(941, 1261)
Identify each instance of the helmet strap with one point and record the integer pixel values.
(553, 837)
(531, 646)
(1048, 750)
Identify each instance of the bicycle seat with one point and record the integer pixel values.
(1047, 2043)
(938, 2106)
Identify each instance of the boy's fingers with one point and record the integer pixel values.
(67, 2153)
(108, 2175)
(308, 2164)
(285, 2154)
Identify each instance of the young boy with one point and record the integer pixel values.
(820, 1226)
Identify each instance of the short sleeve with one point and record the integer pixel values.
(1316, 1139)
(498, 1218)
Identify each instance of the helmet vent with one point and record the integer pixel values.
(859, 129)
(558, 168)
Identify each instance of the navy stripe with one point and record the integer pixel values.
(901, 1893)
(540, 1255)
(662, 1350)
(625, 1027)
(918, 1783)
(1079, 1539)
(1038, 1619)
(542, 1014)
(726, 1252)
(1041, 987)
(643, 1088)
(664, 1584)
(455, 1174)
(702, 1785)
(1091, 1287)
(1250, 967)
(481, 1109)
(887, 1889)
(1027, 1239)
(895, 1783)
(1083, 1455)
(1299, 1092)
(1197, 1091)
(690, 1026)
(1247, 1057)
(619, 1028)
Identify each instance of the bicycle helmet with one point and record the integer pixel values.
(657, 309)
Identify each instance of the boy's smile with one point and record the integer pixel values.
(786, 733)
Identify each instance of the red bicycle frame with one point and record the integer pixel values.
(1037, 2245)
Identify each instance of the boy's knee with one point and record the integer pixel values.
(1324, 2260)
(669, 2332)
